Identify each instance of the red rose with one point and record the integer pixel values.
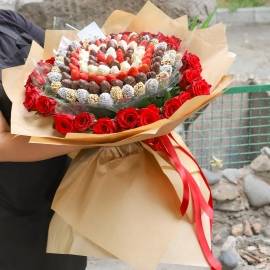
(153, 108)
(31, 96)
(83, 121)
(44, 67)
(50, 60)
(172, 41)
(171, 106)
(184, 96)
(37, 78)
(149, 115)
(63, 123)
(45, 105)
(189, 75)
(200, 87)
(28, 82)
(127, 118)
(104, 126)
(191, 61)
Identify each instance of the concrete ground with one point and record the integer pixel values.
(251, 44)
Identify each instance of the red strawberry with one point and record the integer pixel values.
(98, 79)
(91, 76)
(133, 71)
(72, 66)
(148, 55)
(75, 74)
(122, 75)
(75, 55)
(74, 61)
(144, 43)
(110, 77)
(150, 47)
(84, 76)
(146, 61)
(120, 56)
(109, 59)
(144, 68)
(101, 57)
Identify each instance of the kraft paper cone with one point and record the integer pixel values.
(138, 211)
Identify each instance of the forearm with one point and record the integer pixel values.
(18, 149)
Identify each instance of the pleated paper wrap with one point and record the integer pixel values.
(123, 201)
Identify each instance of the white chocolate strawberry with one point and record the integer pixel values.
(92, 69)
(123, 44)
(93, 47)
(103, 70)
(114, 70)
(125, 66)
(111, 51)
(133, 45)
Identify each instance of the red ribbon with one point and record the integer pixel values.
(190, 187)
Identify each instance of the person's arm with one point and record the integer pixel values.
(17, 149)
(27, 26)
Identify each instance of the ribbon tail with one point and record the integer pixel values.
(198, 201)
(210, 201)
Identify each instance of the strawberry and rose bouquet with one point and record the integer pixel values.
(125, 89)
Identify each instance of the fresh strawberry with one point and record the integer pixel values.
(148, 55)
(101, 57)
(98, 79)
(144, 43)
(75, 55)
(110, 77)
(75, 74)
(109, 60)
(122, 75)
(74, 61)
(120, 55)
(84, 76)
(150, 47)
(144, 68)
(72, 66)
(91, 76)
(146, 61)
(133, 71)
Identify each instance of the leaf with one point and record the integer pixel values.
(194, 22)
(208, 20)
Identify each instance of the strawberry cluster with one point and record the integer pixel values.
(117, 70)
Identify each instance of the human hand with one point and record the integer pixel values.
(4, 127)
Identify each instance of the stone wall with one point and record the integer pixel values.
(82, 12)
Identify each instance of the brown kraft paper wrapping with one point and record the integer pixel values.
(135, 216)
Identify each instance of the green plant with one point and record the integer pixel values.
(196, 23)
(233, 5)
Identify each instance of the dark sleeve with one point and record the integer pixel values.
(31, 29)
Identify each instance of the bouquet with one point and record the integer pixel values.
(125, 92)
